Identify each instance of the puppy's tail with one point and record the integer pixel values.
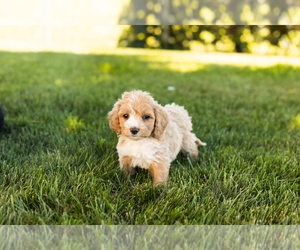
(200, 143)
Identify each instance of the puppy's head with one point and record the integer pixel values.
(138, 116)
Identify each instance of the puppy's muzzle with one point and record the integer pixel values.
(134, 130)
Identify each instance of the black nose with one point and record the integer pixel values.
(134, 130)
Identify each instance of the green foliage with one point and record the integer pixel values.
(247, 174)
(270, 39)
(213, 25)
(210, 12)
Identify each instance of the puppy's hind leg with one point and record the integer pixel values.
(190, 145)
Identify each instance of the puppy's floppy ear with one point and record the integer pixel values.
(161, 121)
(114, 118)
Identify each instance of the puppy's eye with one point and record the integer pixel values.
(146, 117)
(126, 116)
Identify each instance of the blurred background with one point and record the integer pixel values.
(253, 26)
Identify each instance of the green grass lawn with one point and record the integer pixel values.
(59, 163)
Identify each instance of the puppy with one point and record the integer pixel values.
(151, 136)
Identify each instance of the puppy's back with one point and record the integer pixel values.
(179, 116)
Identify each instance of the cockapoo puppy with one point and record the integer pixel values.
(151, 136)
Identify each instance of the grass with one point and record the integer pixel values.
(58, 156)
(149, 237)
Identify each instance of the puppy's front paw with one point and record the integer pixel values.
(160, 173)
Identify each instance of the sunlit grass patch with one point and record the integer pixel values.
(296, 122)
(237, 59)
(106, 68)
(74, 123)
(59, 82)
(177, 66)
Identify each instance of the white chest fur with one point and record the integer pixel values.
(142, 152)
